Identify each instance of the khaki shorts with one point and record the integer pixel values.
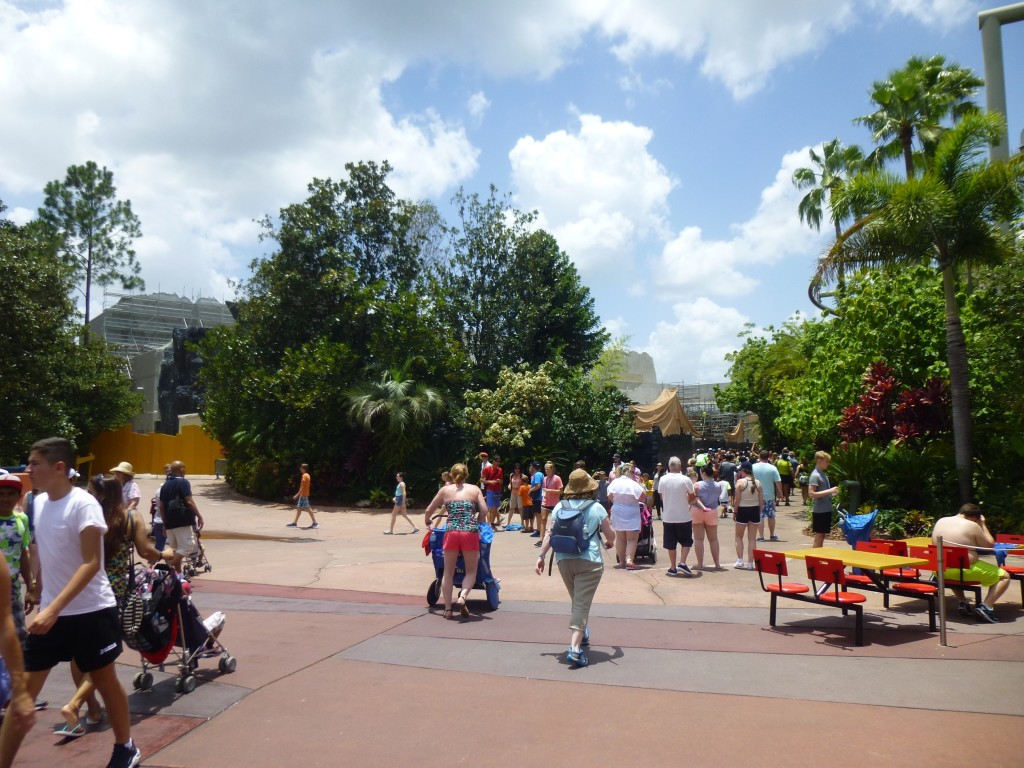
(182, 540)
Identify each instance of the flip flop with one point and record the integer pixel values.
(69, 731)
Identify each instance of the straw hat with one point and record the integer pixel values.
(580, 484)
(125, 468)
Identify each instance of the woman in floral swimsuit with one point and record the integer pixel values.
(466, 508)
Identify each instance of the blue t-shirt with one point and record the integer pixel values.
(595, 515)
(767, 475)
(538, 480)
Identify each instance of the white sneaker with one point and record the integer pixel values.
(739, 564)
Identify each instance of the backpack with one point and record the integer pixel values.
(569, 529)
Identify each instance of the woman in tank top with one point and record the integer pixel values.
(746, 513)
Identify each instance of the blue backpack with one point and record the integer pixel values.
(569, 530)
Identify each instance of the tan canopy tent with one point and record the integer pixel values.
(665, 412)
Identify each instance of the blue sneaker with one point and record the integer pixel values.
(585, 643)
(535, 535)
(685, 570)
(577, 657)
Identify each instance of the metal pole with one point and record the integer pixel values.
(991, 22)
(940, 563)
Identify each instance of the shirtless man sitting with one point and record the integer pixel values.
(967, 528)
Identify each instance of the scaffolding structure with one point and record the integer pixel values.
(698, 400)
(139, 323)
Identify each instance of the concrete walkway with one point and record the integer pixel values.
(340, 662)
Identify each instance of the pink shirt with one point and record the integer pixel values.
(552, 490)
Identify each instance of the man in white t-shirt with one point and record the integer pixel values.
(77, 618)
(677, 523)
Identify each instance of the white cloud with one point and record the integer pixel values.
(478, 105)
(692, 348)
(938, 14)
(739, 43)
(597, 190)
(209, 117)
(691, 264)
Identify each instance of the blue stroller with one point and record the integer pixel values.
(484, 578)
(857, 527)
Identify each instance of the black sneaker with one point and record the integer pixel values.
(685, 570)
(985, 613)
(964, 609)
(125, 757)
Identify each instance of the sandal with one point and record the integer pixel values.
(69, 731)
(463, 608)
(446, 613)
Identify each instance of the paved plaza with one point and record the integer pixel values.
(340, 662)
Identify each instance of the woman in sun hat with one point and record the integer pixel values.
(125, 472)
(581, 573)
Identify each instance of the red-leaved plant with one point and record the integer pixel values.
(885, 412)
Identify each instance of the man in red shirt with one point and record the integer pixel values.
(493, 478)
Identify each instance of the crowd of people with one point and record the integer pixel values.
(611, 509)
(69, 551)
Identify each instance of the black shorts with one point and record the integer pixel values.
(748, 515)
(821, 522)
(677, 535)
(93, 640)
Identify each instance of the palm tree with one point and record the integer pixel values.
(394, 409)
(952, 216)
(832, 168)
(913, 103)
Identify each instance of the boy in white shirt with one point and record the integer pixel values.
(77, 618)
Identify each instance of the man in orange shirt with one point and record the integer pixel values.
(302, 500)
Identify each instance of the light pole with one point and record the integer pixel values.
(990, 23)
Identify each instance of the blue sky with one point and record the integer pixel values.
(655, 139)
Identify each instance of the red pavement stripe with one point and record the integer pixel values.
(304, 593)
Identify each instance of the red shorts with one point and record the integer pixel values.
(461, 541)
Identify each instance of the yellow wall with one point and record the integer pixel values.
(148, 453)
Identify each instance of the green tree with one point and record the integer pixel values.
(952, 216)
(512, 296)
(912, 104)
(830, 171)
(554, 411)
(893, 315)
(94, 229)
(395, 410)
(762, 374)
(340, 299)
(49, 384)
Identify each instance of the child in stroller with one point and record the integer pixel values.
(170, 621)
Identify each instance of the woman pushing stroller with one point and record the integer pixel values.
(466, 509)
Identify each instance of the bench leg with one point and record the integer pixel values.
(859, 627)
(771, 610)
(932, 627)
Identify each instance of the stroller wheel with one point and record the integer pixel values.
(143, 681)
(227, 664)
(185, 684)
(434, 592)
